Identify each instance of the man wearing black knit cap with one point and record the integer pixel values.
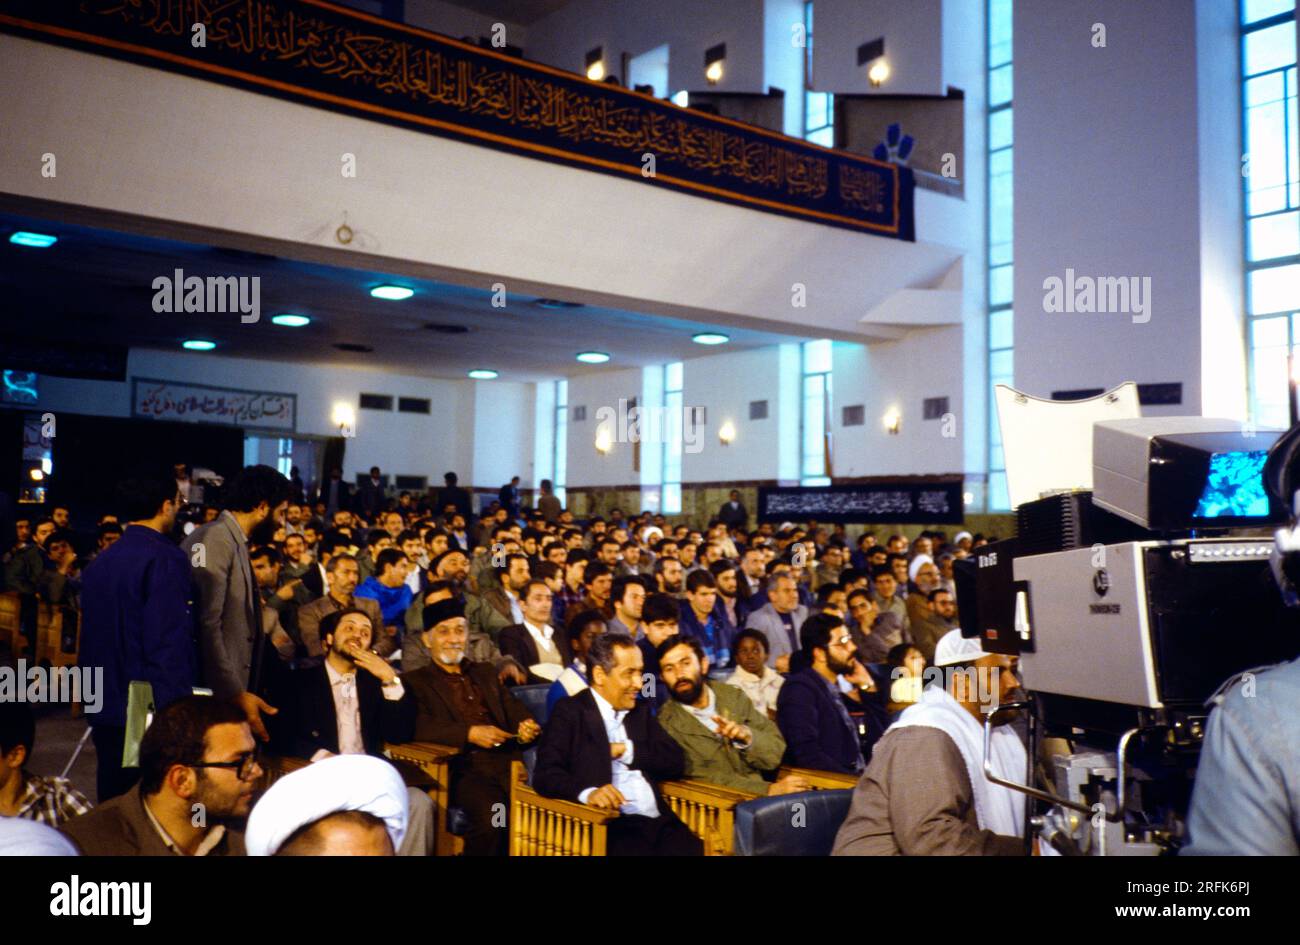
(463, 703)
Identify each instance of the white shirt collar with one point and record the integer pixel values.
(607, 711)
(543, 631)
(335, 676)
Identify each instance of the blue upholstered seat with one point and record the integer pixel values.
(535, 698)
(791, 824)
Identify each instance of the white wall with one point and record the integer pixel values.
(783, 61)
(1108, 179)
(503, 432)
(690, 27)
(913, 45)
(725, 384)
(586, 466)
(480, 429)
(898, 375)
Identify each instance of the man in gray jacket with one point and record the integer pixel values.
(780, 620)
(227, 606)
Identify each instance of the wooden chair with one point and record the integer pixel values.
(435, 762)
(11, 632)
(542, 826)
(823, 780)
(709, 810)
(51, 622)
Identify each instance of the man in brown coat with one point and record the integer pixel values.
(197, 774)
(342, 574)
(463, 704)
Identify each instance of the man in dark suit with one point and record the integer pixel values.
(352, 704)
(463, 704)
(370, 496)
(356, 682)
(814, 721)
(603, 748)
(535, 643)
(733, 513)
(509, 497)
(136, 622)
(452, 494)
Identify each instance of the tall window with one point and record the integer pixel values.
(1271, 185)
(814, 418)
(673, 422)
(1000, 274)
(284, 459)
(818, 107)
(561, 446)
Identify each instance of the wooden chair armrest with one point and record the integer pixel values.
(706, 792)
(582, 812)
(823, 780)
(421, 753)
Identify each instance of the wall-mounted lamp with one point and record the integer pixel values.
(345, 419)
(714, 56)
(596, 64)
(893, 423)
(37, 474)
(604, 442)
(726, 433)
(872, 55)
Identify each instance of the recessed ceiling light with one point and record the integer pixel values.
(196, 344)
(35, 240)
(447, 329)
(290, 321)
(593, 357)
(556, 303)
(482, 374)
(394, 293)
(710, 338)
(354, 347)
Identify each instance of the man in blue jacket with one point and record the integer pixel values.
(136, 622)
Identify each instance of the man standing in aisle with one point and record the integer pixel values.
(231, 641)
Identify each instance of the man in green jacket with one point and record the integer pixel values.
(726, 740)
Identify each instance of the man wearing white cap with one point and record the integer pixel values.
(924, 792)
(347, 805)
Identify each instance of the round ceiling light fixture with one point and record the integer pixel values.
(710, 338)
(593, 357)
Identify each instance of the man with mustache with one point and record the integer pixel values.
(924, 793)
(464, 704)
(724, 738)
(355, 702)
(602, 747)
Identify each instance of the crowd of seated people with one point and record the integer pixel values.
(333, 624)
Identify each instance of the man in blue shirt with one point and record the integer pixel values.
(388, 586)
(700, 619)
(1248, 780)
(136, 622)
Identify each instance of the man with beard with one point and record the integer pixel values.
(598, 580)
(732, 606)
(924, 579)
(811, 712)
(724, 738)
(925, 793)
(669, 573)
(936, 620)
(226, 602)
(602, 747)
(198, 768)
(464, 704)
(342, 575)
(354, 703)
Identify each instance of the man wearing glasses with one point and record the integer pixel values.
(198, 767)
(818, 730)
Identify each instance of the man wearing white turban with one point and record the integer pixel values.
(334, 807)
(924, 792)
